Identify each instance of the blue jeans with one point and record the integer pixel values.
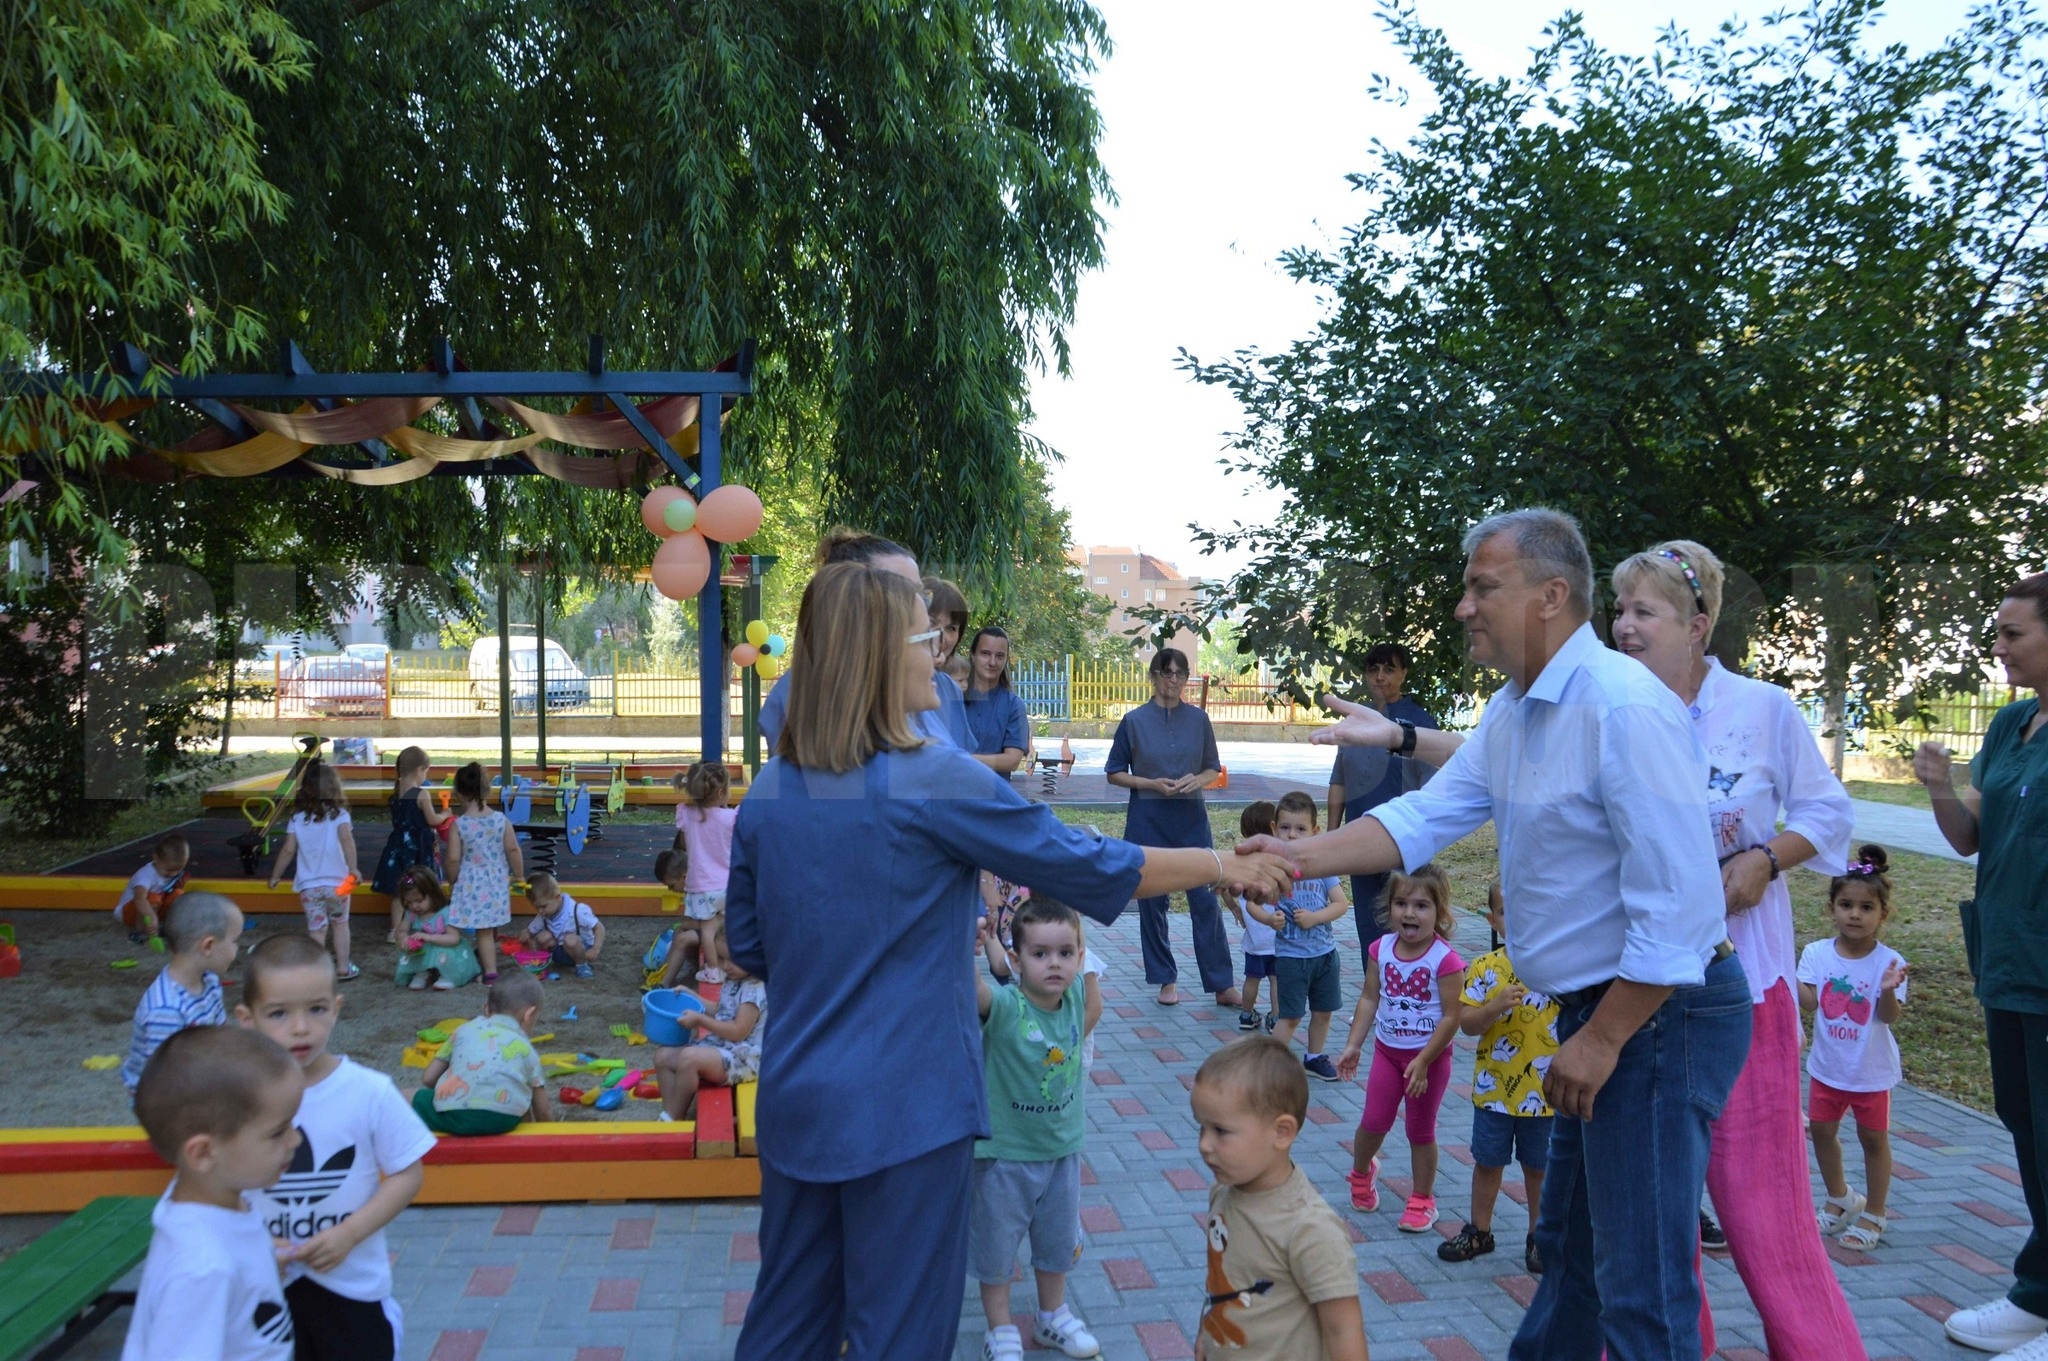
(1619, 1222)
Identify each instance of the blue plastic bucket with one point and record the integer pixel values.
(662, 1011)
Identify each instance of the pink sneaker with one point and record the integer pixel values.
(1365, 1191)
(1420, 1216)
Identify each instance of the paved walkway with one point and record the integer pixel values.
(598, 1282)
(1898, 828)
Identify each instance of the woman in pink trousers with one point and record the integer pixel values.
(1763, 766)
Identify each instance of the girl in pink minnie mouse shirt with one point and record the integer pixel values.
(1413, 994)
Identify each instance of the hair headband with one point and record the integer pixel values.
(1692, 578)
(1865, 868)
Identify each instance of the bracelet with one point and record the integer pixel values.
(1220, 875)
(1769, 855)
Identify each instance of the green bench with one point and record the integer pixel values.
(56, 1290)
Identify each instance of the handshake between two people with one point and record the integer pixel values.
(1260, 858)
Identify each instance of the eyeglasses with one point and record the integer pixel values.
(1171, 673)
(1692, 579)
(926, 637)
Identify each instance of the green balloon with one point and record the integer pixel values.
(680, 514)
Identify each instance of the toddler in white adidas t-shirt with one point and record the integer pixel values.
(357, 1166)
(220, 1105)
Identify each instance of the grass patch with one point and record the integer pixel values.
(1904, 793)
(21, 853)
(1941, 1033)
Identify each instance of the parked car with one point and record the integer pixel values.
(568, 687)
(339, 686)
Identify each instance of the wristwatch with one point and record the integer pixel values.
(1407, 747)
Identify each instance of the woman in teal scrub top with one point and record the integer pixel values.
(2001, 816)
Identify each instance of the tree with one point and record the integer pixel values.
(897, 201)
(1777, 291)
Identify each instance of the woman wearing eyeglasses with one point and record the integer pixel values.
(1165, 754)
(945, 723)
(853, 889)
(1763, 767)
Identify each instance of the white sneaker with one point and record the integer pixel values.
(1066, 1333)
(1003, 1344)
(2037, 1350)
(2000, 1326)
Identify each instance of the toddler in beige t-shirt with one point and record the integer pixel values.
(1283, 1278)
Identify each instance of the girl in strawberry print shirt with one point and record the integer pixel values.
(1413, 995)
(1858, 985)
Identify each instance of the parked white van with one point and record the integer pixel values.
(568, 687)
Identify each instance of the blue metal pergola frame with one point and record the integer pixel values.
(295, 380)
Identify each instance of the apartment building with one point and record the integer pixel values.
(1128, 578)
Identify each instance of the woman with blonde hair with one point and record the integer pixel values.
(944, 721)
(853, 889)
(1762, 767)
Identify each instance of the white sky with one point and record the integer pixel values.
(1229, 129)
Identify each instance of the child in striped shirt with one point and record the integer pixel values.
(202, 931)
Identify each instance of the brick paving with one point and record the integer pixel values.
(584, 1282)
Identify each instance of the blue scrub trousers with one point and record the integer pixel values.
(1619, 1224)
(1177, 824)
(875, 1263)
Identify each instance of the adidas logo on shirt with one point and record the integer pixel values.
(272, 1322)
(304, 1185)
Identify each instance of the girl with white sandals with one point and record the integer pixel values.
(1857, 984)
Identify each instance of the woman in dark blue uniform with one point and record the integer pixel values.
(853, 897)
(996, 717)
(1165, 754)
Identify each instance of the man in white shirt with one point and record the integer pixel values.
(1588, 766)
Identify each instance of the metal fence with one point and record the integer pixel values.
(440, 685)
(1958, 721)
(1068, 689)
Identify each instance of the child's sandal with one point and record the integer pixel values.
(1865, 1233)
(1837, 1215)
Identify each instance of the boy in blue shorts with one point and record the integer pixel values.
(1305, 948)
(1517, 1032)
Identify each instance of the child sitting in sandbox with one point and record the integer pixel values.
(432, 951)
(487, 1078)
(567, 931)
(728, 1050)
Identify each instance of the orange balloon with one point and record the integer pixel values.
(745, 654)
(682, 565)
(652, 507)
(730, 514)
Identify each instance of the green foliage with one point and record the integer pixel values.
(898, 202)
(1776, 291)
(131, 160)
(102, 685)
(895, 200)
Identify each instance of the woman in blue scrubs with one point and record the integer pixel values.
(853, 897)
(1165, 754)
(996, 717)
